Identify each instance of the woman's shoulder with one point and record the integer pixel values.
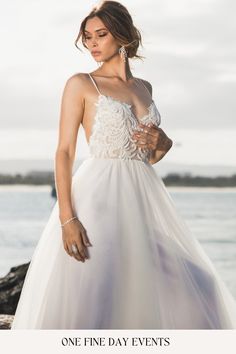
(147, 84)
(77, 78)
(78, 83)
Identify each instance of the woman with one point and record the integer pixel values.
(142, 267)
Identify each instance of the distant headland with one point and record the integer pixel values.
(171, 179)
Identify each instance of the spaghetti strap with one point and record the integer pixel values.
(93, 81)
(144, 86)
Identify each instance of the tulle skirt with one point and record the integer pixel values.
(146, 269)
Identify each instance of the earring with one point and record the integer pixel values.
(123, 53)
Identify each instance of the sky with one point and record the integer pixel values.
(190, 50)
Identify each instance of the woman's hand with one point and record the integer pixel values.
(75, 234)
(152, 138)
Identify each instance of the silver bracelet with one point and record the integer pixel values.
(67, 221)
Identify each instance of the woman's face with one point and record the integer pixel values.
(99, 41)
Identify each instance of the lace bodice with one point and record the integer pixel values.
(113, 126)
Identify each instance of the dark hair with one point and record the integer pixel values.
(118, 21)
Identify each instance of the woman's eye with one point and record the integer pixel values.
(100, 35)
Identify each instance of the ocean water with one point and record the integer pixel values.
(209, 212)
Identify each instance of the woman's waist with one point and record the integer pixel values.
(134, 159)
(123, 153)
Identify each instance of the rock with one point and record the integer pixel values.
(10, 289)
(6, 321)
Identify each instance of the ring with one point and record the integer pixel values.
(74, 248)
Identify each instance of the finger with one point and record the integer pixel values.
(82, 251)
(149, 144)
(71, 252)
(66, 248)
(79, 250)
(85, 238)
(146, 140)
(86, 252)
(153, 140)
(141, 140)
(83, 233)
(141, 145)
(140, 136)
(78, 257)
(146, 133)
(153, 132)
(77, 254)
(148, 127)
(142, 130)
(142, 125)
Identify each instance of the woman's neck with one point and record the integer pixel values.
(115, 67)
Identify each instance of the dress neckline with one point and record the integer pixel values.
(129, 106)
(126, 104)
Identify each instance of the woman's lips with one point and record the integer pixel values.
(96, 53)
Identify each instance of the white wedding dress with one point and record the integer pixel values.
(146, 270)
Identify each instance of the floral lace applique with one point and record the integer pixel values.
(112, 131)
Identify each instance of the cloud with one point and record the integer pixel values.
(190, 60)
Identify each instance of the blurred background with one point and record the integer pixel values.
(190, 53)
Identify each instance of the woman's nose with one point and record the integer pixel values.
(94, 42)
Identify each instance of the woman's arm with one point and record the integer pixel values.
(159, 153)
(160, 143)
(71, 114)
